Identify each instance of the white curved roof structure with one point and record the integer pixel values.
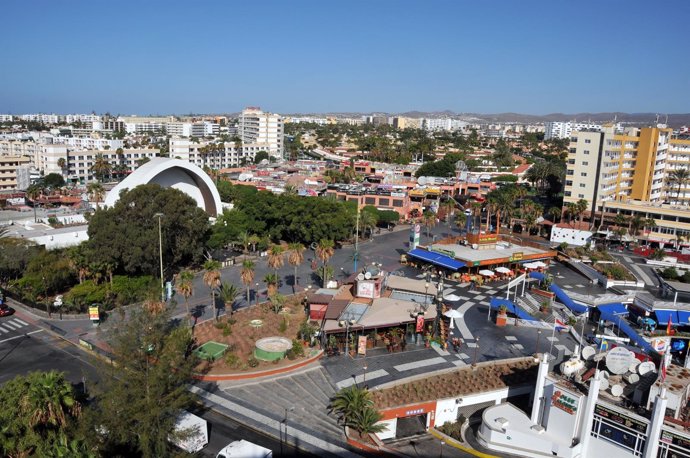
(173, 173)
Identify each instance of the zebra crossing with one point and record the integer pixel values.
(11, 326)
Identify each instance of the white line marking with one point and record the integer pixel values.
(12, 326)
(360, 378)
(23, 335)
(4, 330)
(22, 322)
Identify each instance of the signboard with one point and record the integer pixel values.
(415, 232)
(620, 419)
(448, 253)
(362, 345)
(516, 256)
(488, 238)
(669, 437)
(420, 324)
(660, 344)
(93, 313)
(564, 402)
(365, 289)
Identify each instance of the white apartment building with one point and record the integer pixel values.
(448, 124)
(40, 117)
(203, 154)
(6, 118)
(559, 129)
(10, 174)
(88, 143)
(90, 118)
(137, 124)
(179, 129)
(256, 127)
(79, 163)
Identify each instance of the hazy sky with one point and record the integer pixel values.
(535, 57)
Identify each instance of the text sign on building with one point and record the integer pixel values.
(362, 345)
(516, 256)
(564, 402)
(675, 439)
(448, 253)
(415, 232)
(93, 314)
(624, 420)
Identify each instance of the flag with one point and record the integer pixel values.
(560, 326)
(668, 326)
(665, 362)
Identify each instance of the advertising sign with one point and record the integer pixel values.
(675, 439)
(564, 402)
(448, 253)
(415, 232)
(420, 324)
(516, 256)
(365, 289)
(362, 345)
(618, 418)
(660, 344)
(93, 313)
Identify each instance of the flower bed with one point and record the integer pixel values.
(240, 333)
(614, 271)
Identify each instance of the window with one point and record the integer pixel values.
(583, 174)
(585, 163)
(397, 203)
(582, 185)
(568, 182)
(587, 140)
(567, 193)
(384, 202)
(370, 200)
(581, 196)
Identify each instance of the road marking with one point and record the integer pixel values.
(16, 322)
(422, 363)
(23, 335)
(461, 325)
(511, 338)
(11, 325)
(3, 329)
(642, 274)
(360, 378)
(22, 322)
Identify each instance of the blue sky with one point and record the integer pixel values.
(535, 57)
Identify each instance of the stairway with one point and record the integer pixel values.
(308, 392)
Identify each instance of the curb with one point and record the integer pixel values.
(453, 443)
(255, 375)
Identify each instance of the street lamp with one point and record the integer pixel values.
(256, 293)
(160, 251)
(426, 295)
(538, 337)
(364, 381)
(284, 424)
(347, 324)
(442, 444)
(476, 348)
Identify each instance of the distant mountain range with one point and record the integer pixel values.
(673, 120)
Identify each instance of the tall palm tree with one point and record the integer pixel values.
(324, 250)
(228, 294)
(101, 167)
(295, 258)
(33, 192)
(271, 281)
(460, 220)
(554, 213)
(679, 178)
(448, 206)
(429, 219)
(276, 258)
(96, 192)
(247, 275)
(185, 287)
(582, 206)
(212, 278)
(367, 221)
(49, 400)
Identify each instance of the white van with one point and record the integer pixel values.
(244, 449)
(195, 431)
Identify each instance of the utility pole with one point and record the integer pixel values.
(356, 239)
(160, 252)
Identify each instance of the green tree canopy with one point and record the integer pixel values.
(260, 156)
(126, 235)
(53, 180)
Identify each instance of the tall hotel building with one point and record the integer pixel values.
(256, 126)
(630, 172)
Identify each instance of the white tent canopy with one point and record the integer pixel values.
(502, 270)
(486, 273)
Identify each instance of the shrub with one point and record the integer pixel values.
(128, 290)
(685, 278)
(252, 362)
(81, 296)
(283, 326)
(290, 354)
(227, 330)
(232, 360)
(669, 273)
(297, 347)
(453, 430)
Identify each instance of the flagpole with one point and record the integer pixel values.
(553, 335)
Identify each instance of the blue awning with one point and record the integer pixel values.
(436, 258)
(662, 317)
(684, 317)
(538, 275)
(497, 302)
(614, 309)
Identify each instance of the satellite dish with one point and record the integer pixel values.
(646, 368)
(360, 277)
(616, 390)
(604, 384)
(421, 180)
(631, 378)
(633, 365)
(588, 353)
(605, 375)
(367, 275)
(618, 360)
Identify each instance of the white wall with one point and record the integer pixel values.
(390, 431)
(572, 237)
(62, 240)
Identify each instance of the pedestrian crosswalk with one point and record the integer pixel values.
(8, 325)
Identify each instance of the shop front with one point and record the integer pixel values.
(407, 421)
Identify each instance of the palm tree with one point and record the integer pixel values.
(62, 163)
(275, 258)
(212, 278)
(271, 281)
(448, 206)
(367, 220)
(429, 219)
(247, 275)
(33, 192)
(295, 258)
(554, 213)
(101, 167)
(185, 287)
(96, 192)
(324, 251)
(460, 220)
(679, 178)
(49, 400)
(228, 294)
(254, 240)
(356, 410)
(581, 205)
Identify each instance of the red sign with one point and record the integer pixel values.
(420, 323)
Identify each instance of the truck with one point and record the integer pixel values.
(244, 449)
(192, 431)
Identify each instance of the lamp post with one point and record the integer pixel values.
(538, 337)
(476, 348)
(426, 295)
(160, 251)
(364, 381)
(442, 444)
(256, 293)
(347, 324)
(284, 425)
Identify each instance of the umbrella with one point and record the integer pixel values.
(453, 314)
(539, 264)
(502, 270)
(530, 265)
(486, 273)
(452, 298)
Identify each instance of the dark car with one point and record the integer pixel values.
(6, 311)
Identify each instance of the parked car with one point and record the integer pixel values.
(6, 311)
